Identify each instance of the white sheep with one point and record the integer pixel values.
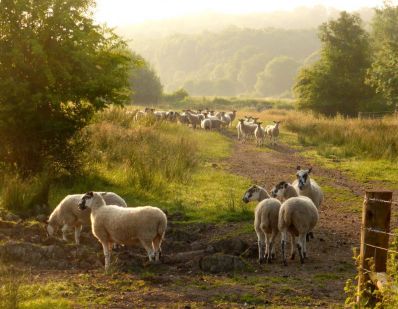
(265, 221)
(112, 224)
(259, 134)
(273, 131)
(298, 215)
(225, 118)
(67, 214)
(245, 129)
(307, 186)
(206, 123)
(194, 119)
(182, 118)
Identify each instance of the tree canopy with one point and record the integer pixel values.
(145, 83)
(56, 68)
(336, 82)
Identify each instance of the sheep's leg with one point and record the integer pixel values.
(261, 246)
(292, 243)
(283, 244)
(78, 229)
(65, 228)
(304, 243)
(157, 241)
(149, 249)
(269, 247)
(107, 254)
(300, 240)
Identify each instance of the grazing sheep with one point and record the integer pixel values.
(307, 186)
(265, 221)
(113, 224)
(259, 133)
(298, 215)
(216, 123)
(67, 214)
(273, 131)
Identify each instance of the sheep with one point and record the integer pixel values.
(224, 118)
(216, 123)
(245, 129)
(112, 224)
(307, 186)
(182, 118)
(273, 131)
(265, 221)
(206, 123)
(68, 216)
(231, 115)
(194, 119)
(259, 133)
(298, 215)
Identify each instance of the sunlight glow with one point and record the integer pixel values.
(124, 12)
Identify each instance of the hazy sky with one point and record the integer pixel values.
(122, 12)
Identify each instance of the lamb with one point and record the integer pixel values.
(67, 215)
(112, 224)
(273, 131)
(298, 215)
(307, 186)
(259, 133)
(265, 221)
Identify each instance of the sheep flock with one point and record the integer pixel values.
(289, 209)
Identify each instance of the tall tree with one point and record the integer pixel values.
(145, 83)
(383, 75)
(336, 83)
(56, 68)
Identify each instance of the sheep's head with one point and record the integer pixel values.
(303, 177)
(86, 200)
(50, 230)
(252, 194)
(279, 189)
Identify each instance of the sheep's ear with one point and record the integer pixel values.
(309, 170)
(90, 193)
(285, 185)
(298, 167)
(274, 121)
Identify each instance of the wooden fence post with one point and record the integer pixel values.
(375, 215)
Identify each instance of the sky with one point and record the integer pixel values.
(126, 12)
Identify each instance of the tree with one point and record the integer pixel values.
(277, 77)
(336, 83)
(145, 84)
(56, 69)
(250, 68)
(383, 75)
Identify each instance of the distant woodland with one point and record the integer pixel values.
(226, 55)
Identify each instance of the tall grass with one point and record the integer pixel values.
(342, 137)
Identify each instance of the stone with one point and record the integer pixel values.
(235, 246)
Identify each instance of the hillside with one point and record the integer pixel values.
(227, 55)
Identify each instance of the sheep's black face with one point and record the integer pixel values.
(303, 178)
(87, 196)
(251, 194)
(279, 189)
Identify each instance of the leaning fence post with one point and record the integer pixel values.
(376, 214)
